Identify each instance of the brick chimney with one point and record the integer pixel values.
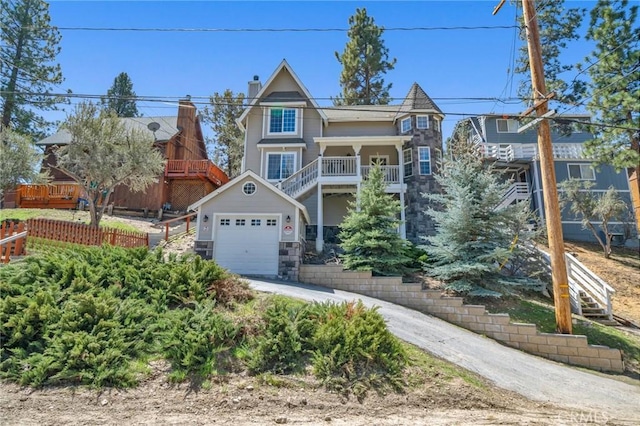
(254, 88)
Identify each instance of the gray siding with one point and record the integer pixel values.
(335, 208)
(233, 200)
(529, 136)
(605, 175)
(360, 129)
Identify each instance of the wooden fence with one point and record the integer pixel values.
(79, 233)
(12, 240)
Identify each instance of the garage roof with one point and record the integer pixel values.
(257, 178)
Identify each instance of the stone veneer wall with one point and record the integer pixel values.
(290, 260)
(569, 349)
(418, 223)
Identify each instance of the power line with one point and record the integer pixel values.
(279, 30)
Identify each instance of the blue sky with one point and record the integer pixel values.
(447, 64)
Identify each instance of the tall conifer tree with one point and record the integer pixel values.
(614, 89)
(29, 46)
(121, 98)
(364, 61)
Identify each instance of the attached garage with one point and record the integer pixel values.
(247, 244)
(250, 227)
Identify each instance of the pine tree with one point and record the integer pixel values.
(474, 239)
(369, 233)
(121, 98)
(228, 140)
(558, 27)
(104, 153)
(27, 64)
(614, 68)
(364, 61)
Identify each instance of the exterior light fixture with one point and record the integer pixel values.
(205, 218)
(288, 219)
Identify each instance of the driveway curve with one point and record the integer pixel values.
(536, 378)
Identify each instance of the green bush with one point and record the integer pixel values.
(284, 341)
(354, 350)
(194, 337)
(87, 315)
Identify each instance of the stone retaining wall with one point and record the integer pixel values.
(569, 349)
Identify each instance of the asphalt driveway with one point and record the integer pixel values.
(533, 377)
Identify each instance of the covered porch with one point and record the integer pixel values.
(345, 162)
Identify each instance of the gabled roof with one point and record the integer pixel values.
(284, 65)
(257, 178)
(168, 128)
(283, 97)
(418, 100)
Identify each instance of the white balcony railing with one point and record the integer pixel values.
(529, 151)
(391, 173)
(339, 166)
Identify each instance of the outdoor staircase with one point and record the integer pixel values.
(518, 191)
(589, 294)
(592, 310)
(301, 181)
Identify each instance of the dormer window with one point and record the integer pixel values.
(422, 122)
(405, 125)
(282, 120)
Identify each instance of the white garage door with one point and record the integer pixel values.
(247, 244)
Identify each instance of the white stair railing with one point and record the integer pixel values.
(582, 279)
(519, 191)
(300, 181)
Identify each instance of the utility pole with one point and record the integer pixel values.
(547, 170)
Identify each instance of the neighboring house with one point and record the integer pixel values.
(517, 155)
(188, 176)
(302, 166)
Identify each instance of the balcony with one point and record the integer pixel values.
(512, 152)
(195, 169)
(336, 171)
(51, 196)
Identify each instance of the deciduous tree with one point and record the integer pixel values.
(20, 161)
(104, 153)
(228, 139)
(28, 71)
(365, 60)
(590, 208)
(121, 98)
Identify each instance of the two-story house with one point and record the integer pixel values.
(516, 154)
(188, 176)
(303, 164)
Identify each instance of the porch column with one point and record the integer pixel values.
(320, 220)
(403, 227)
(356, 150)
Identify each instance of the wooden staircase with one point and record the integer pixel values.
(592, 310)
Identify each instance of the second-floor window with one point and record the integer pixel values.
(280, 165)
(507, 126)
(405, 125)
(424, 157)
(422, 122)
(282, 120)
(581, 171)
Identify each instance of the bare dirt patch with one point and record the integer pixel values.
(621, 271)
(243, 400)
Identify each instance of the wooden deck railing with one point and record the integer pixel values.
(166, 223)
(196, 168)
(12, 240)
(79, 233)
(51, 196)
